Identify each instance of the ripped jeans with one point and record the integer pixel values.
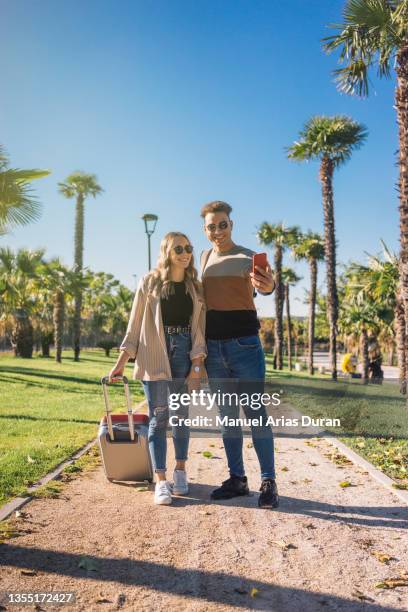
(157, 393)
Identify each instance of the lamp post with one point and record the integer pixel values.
(150, 225)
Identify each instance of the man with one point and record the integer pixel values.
(235, 362)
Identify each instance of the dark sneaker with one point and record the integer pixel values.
(269, 497)
(233, 487)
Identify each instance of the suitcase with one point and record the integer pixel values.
(123, 441)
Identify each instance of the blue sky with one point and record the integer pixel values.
(172, 103)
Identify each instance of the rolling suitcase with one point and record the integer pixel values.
(123, 441)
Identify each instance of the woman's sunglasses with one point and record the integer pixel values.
(222, 225)
(179, 249)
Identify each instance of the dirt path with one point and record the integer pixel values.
(315, 552)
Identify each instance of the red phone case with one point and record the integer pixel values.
(259, 259)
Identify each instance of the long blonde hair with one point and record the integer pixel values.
(159, 279)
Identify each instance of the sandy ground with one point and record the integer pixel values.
(316, 552)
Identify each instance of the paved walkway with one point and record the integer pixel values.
(321, 550)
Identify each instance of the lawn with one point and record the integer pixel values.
(374, 418)
(48, 411)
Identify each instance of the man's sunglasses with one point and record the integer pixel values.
(222, 225)
(179, 249)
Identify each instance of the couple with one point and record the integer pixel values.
(177, 338)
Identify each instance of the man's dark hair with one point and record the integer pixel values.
(216, 206)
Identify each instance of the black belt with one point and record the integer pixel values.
(177, 329)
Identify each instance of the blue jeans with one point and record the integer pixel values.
(237, 366)
(157, 392)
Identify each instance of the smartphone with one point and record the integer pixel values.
(259, 259)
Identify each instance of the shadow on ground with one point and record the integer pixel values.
(192, 584)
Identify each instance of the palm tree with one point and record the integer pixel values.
(18, 205)
(18, 276)
(356, 318)
(106, 306)
(375, 34)
(80, 186)
(289, 279)
(380, 282)
(281, 238)
(56, 283)
(331, 140)
(310, 247)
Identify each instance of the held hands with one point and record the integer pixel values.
(194, 379)
(263, 280)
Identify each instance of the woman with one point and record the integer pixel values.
(166, 336)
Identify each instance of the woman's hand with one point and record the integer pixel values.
(116, 373)
(194, 379)
(119, 367)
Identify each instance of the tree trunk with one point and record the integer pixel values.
(278, 308)
(78, 264)
(289, 326)
(401, 103)
(76, 327)
(400, 332)
(58, 317)
(364, 353)
(23, 337)
(312, 309)
(326, 177)
(46, 340)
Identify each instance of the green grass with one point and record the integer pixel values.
(374, 418)
(48, 411)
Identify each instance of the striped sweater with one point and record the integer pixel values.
(229, 294)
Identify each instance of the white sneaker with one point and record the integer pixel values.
(180, 486)
(162, 494)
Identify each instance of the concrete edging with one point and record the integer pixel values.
(18, 502)
(357, 459)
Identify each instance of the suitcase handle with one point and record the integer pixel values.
(105, 382)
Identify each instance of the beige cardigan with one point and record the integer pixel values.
(145, 339)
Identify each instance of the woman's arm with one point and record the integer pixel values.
(130, 343)
(198, 343)
(198, 354)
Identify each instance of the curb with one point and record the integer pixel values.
(379, 476)
(18, 502)
(354, 457)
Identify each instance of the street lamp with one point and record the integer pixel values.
(150, 225)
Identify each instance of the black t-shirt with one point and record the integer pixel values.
(178, 307)
(223, 325)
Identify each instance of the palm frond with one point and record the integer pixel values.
(371, 34)
(80, 183)
(333, 137)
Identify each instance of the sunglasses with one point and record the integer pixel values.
(222, 225)
(179, 249)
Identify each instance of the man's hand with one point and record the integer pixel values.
(263, 280)
(194, 379)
